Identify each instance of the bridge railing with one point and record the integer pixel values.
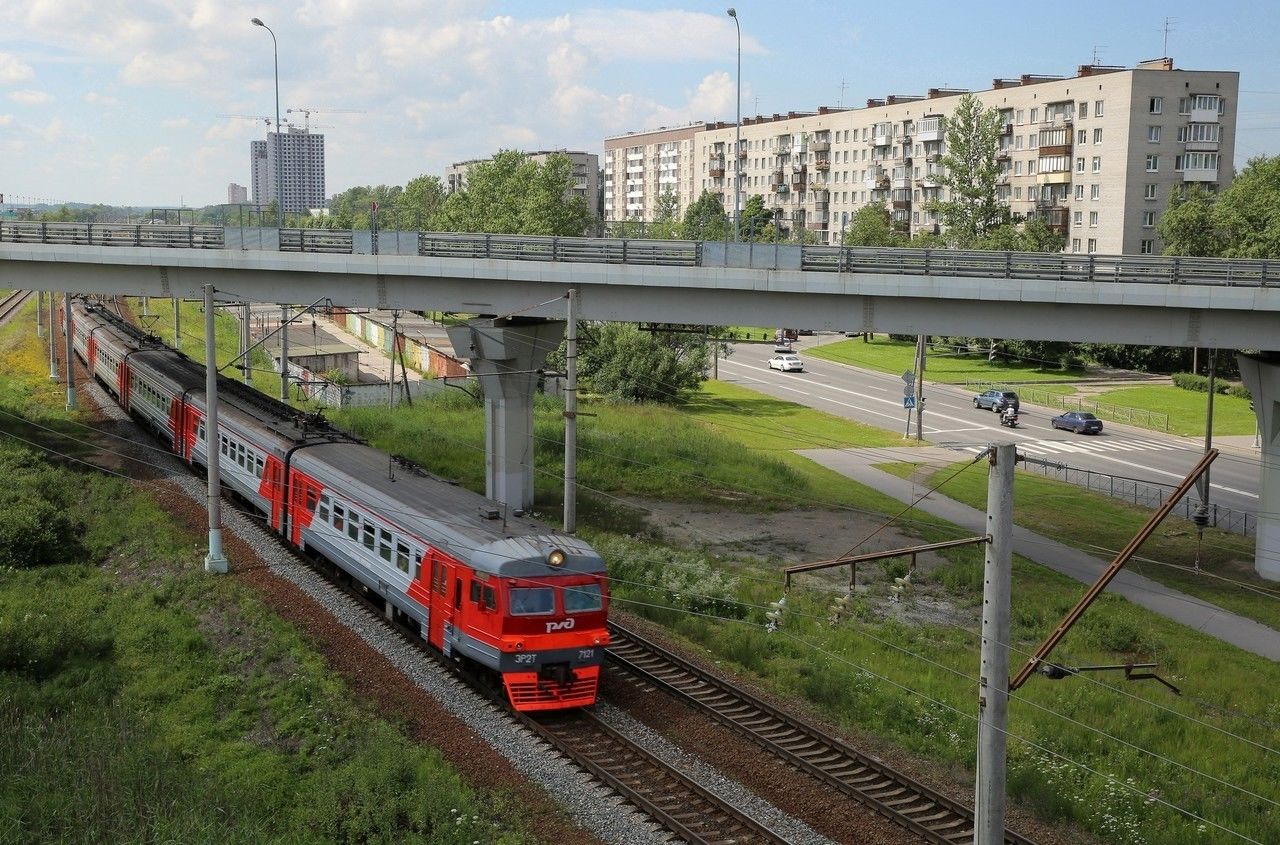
(113, 234)
(1146, 269)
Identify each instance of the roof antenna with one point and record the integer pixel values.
(1168, 27)
(1096, 47)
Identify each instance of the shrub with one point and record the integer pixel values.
(1200, 384)
(38, 527)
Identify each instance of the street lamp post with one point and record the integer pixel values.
(737, 135)
(275, 57)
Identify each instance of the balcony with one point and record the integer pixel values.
(930, 180)
(1201, 146)
(820, 194)
(1007, 129)
(823, 164)
(929, 130)
(783, 188)
(1055, 149)
(816, 225)
(1003, 155)
(717, 168)
(1057, 177)
(1200, 174)
(933, 158)
(902, 205)
(797, 181)
(900, 182)
(820, 146)
(783, 149)
(1209, 115)
(777, 177)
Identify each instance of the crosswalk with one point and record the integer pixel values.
(1086, 445)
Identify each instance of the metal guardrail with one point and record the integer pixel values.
(1144, 269)
(316, 240)
(1140, 417)
(114, 234)
(1148, 494)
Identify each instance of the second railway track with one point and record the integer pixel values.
(917, 807)
(10, 304)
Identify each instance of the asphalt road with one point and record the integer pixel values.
(951, 420)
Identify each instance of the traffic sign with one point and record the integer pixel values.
(908, 402)
(909, 377)
(909, 390)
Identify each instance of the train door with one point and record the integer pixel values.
(446, 596)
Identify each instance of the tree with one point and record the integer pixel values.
(421, 201)
(870, 226)
(705, 220)
(1247, 213)
(1188, 227)
(755, 220)
(619, 360)
(666, 221)
(1032, 236)
(971, 209)
(512, 194)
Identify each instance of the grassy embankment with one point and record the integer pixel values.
(141, 700)
(1186, 408)
(926, 645)
(1101, 526)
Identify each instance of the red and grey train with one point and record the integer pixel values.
(505, 594)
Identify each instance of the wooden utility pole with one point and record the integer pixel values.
(993, 676)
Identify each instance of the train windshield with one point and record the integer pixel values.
(583, 598)
(532, 601)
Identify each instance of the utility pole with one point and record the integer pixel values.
(245, 369)
(1208, 440)
(53, 339)
(920, 387)
(215, 561)
(391, 382)
(571, 416)
(177, 323)
(993, 676)
(39, 313)
(66, 337)
(284, 353)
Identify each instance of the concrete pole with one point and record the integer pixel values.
(391, 382)
(71, 370)
(284, 353)
(1208, 429)
(53, 340)
(245, 369)
(177, 323)
(920, 387)
(215, 561)
(571, 417)
(993, 677)
(39, 313)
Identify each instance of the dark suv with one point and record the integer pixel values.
(996, 400)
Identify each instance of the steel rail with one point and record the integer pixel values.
(919, 808)
(11, 303)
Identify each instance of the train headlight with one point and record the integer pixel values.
(519, 646)
(556, 557)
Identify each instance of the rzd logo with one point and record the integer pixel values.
(566, 625)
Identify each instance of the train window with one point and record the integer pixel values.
(457, 592)
(339, 512)
(384, 544)
(583, 598)
(323, 510)
(258, 466)
(532, 601)
(222, 444)
(353, 525)
(490, 598)
(475, 591)
(402, 557)
(416, 557)
(368, 535)
(313, 496)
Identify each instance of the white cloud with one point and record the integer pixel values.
(659, 36)
(156, 157)
(101, 99)
(30, 98)
(6, 119)
(13, 70)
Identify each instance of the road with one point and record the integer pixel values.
(951, 420)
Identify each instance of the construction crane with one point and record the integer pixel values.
(267, 120)
(307, 112)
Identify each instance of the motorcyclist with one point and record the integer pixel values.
(1010, 416)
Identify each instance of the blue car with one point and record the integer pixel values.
(1078, 421)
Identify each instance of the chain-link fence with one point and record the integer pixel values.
(1142, 493)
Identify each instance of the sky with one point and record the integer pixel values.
(120, 101)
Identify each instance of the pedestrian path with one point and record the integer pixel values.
(1087, 445)
(1180, 607)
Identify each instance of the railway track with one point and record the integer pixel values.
(674, 801)
(917, 807)
(10, 304)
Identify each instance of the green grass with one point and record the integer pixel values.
(897, 357)
(142, 700)
(1096, 523)
(1186, 408)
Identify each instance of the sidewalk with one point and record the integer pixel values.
(1188, 610)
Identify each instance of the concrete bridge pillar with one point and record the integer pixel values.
(1261, 374)
(505, 353)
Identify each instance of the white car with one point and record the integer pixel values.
(786, 363)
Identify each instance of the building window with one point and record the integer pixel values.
(1079, 192)
(1147, 247)
(1184, 105)
(1017, 142)
(1082, 136)
(1017, 192)
(1093, 245)
(1017, 167)
(1095, 192)
(1153, 164)
(1097, 164)
(1075, 244)
(1155, 105)
(1148, 219)
(1077, 218)
(1080, 164)
(1149, 192)
(1093, 219)
(1035, 115)
(1097, 112)
(1018, 117)
(1084, 110)
(1153, 134)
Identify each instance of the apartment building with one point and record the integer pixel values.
(639, 167)
(294, 158)
(237, 194)
(1095, 155)
(585, 171)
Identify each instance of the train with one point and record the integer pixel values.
(517, 601)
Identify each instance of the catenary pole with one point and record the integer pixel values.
(39, 313)
(1208, 428)
(215, 561)
(993, 677)
(391, 382)
(177, 323)
(66, 337)
(571, 415)
(737, 136)
(920, 387)
(284, 353)
(53, 340)
(245, 369)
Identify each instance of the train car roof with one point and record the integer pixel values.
(450, 517)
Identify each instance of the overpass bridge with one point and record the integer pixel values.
(1156, 300)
